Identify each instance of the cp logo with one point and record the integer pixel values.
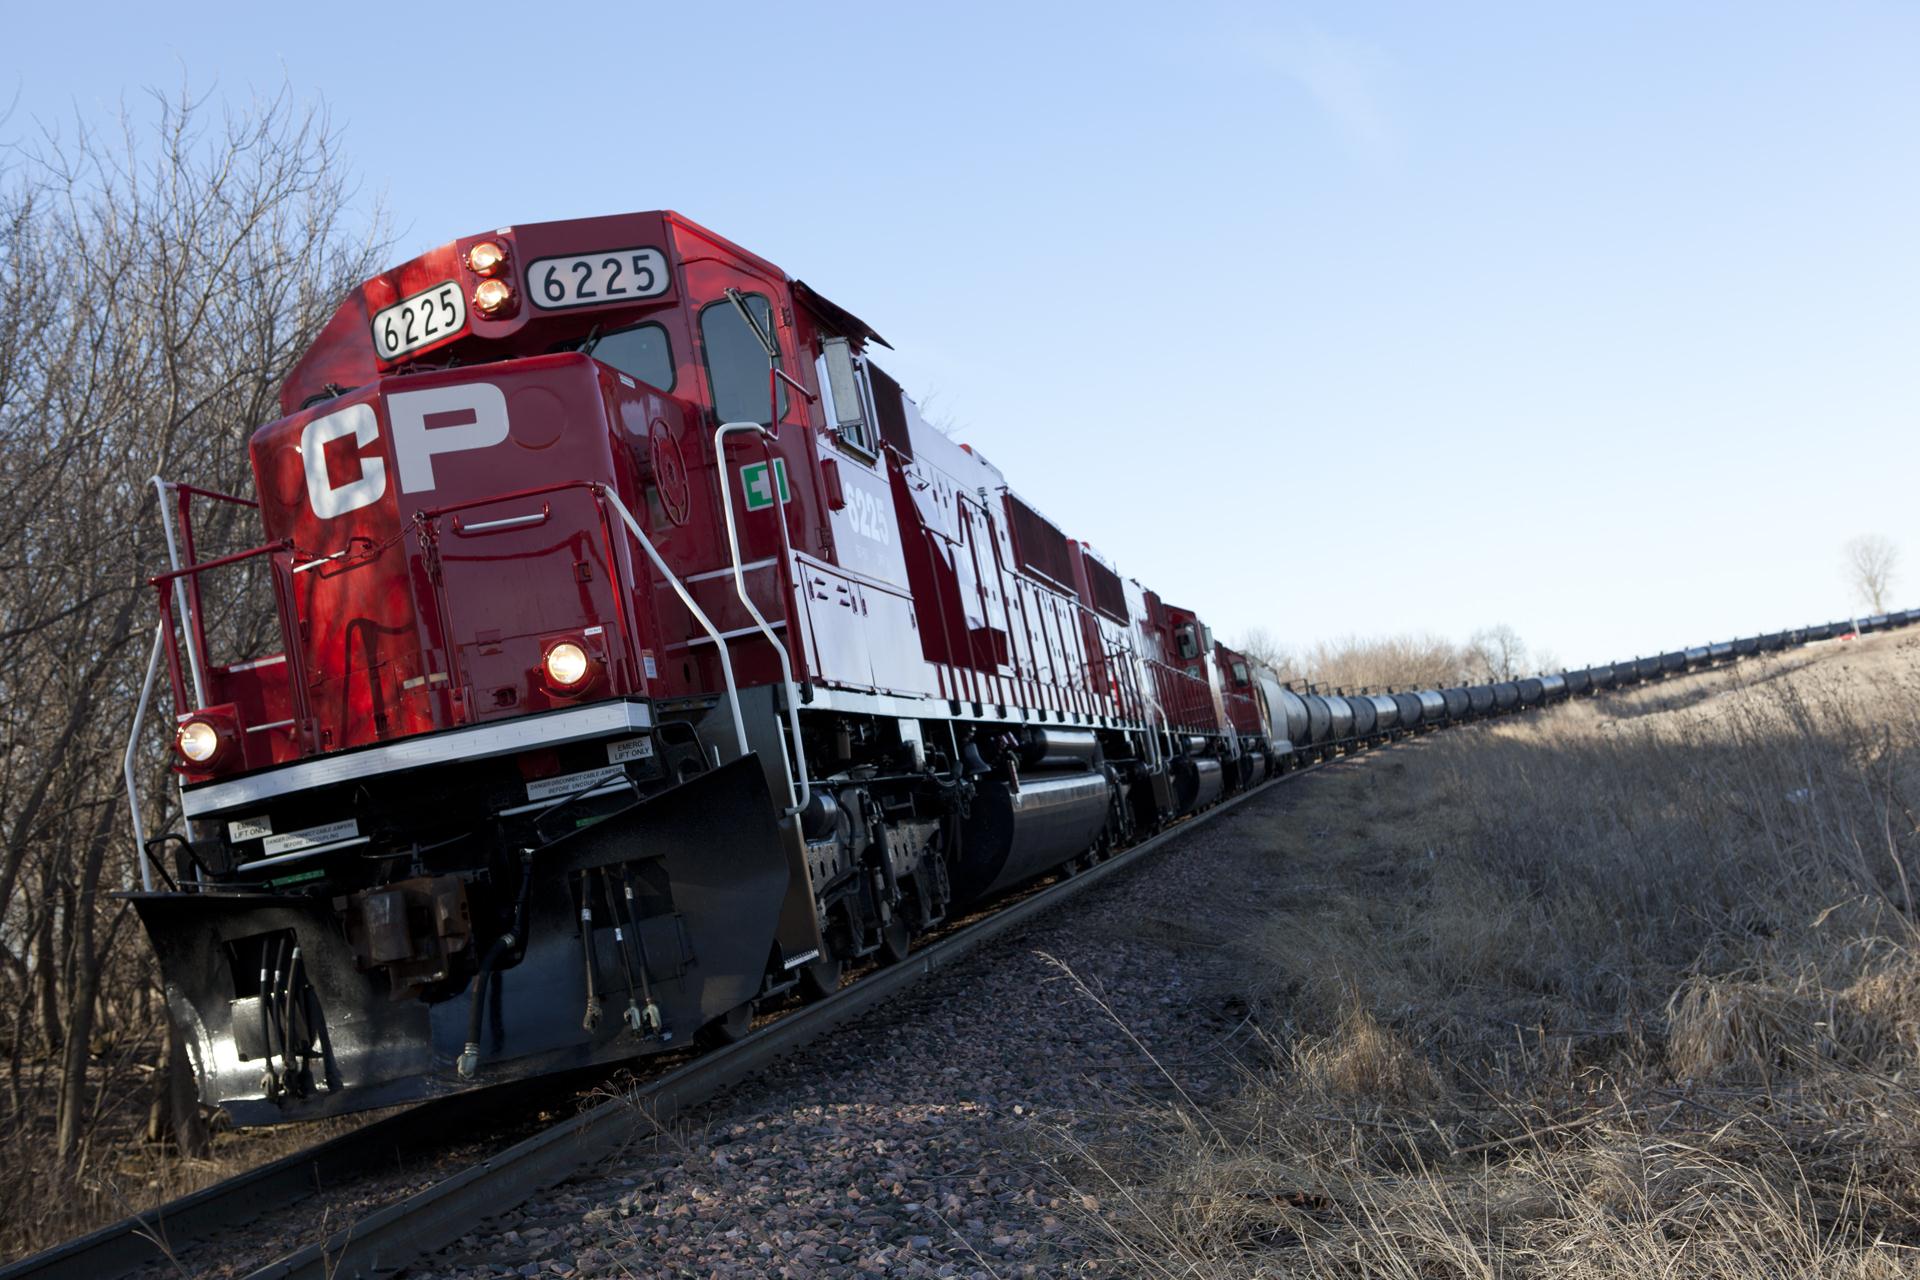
(425, 424)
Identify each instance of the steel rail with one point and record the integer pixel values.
(384, 1241)
(159, 1234)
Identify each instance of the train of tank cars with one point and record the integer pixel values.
(643, 655)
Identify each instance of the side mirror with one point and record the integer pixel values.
(844, 386)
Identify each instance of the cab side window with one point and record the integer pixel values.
(642, 352)
(736, 362)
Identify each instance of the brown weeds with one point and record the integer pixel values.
(1625, 990)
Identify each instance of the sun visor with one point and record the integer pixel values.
(838, 317)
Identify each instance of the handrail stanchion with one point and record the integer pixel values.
(800, 797)
(160, 490)
(713, 633)
(133, 746)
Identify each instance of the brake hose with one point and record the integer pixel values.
(468, 1063)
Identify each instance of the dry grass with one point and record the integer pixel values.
(118, 1173)
(1627, 990)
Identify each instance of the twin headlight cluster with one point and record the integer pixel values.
(493, 296)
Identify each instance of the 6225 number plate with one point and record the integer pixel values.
(589, 279)
(412, 323)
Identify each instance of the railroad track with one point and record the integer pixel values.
(381, 1242)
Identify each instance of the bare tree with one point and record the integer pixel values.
(1412, 660)
(160, 280)
(1496, 653)
(1263, 646)
(1872, 563)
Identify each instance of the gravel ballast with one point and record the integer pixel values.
(923, 1139)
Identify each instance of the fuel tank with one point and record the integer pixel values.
(1056, 749)
(1433, 706)
(1602, 677)
(1672, 662)
(1553, 688)
(1011, 836)
(1506, 695)
(1531, 692)
(1341, 712)
(1411, 709)
(1480, 699)
(1459, 705)
(1580, 681)
(1253, 765)
(1198, 781)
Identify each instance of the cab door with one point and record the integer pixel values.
(734, 311)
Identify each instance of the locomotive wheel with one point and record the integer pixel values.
(821, 978)
(895, 940)
(730, 1026)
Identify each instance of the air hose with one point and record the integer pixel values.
(469, 1061)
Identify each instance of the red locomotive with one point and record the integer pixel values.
(641, 650)
(643, 656)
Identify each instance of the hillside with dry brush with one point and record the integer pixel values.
(1625, 989)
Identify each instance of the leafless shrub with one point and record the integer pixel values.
(1411, 660)
(161, 276)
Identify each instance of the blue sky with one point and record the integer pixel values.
(1598, 321)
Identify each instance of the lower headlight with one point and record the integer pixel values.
(493, 297)
(197, 741)
(567, 664)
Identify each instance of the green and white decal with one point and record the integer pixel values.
(753, 479)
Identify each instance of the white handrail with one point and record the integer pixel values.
(713, 633)
(133, 745)
(1153, 703)
(161, 489)
(798, 799)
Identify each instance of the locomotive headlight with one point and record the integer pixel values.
(198, 741)
(493, 297)
(567, 664)
(486, 257)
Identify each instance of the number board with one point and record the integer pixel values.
(423, 319)
(592, 279)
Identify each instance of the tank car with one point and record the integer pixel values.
(1366, 717)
